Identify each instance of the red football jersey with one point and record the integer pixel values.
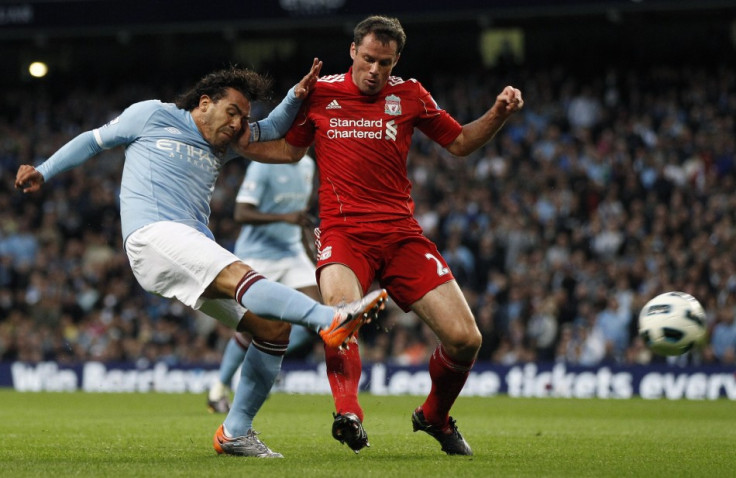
(361, 145)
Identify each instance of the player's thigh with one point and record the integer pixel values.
(338, 284)
(445, 310)
(413, 268)
(347, 265)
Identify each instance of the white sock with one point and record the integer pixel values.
(217, 391)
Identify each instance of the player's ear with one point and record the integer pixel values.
(397, 59)
(353, 50)
(204, 102)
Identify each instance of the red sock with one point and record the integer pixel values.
(343, 371)
(448, 378)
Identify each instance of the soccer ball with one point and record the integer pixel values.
(672, 323)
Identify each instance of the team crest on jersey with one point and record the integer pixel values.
(393, 105)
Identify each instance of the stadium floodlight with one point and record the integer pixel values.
(38, 69)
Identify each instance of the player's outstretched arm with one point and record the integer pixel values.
(302, 89)
(28, 179)
(477, 133)
(278, 151)
(279, 120)
(72, 154)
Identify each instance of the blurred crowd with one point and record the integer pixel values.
(606, 190)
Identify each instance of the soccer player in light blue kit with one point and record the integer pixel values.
(173, 155)
(272, 206)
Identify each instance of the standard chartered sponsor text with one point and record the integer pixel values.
(361, 128)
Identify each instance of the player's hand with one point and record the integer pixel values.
(300, 218)
(302, 89)
(28, 179)
(509, 101)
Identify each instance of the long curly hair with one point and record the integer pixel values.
(251, 84)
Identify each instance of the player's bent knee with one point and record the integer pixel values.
(471, 346)
(464, 347)
(223, 286)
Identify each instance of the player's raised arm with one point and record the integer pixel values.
(302, 89)
(477, 133)
(277, 123)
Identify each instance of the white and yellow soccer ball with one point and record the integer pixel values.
(672, 323)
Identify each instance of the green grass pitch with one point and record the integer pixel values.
(83, 434)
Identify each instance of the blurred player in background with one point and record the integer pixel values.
(362, 123)
(173, 155)
(272, 206)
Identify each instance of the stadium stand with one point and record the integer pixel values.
(614, 184)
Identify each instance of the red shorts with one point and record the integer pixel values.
(396, 254)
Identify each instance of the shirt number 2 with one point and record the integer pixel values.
(441, 270)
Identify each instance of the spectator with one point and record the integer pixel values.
(654, 176)
(723, 337)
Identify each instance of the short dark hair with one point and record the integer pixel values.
(385, 29)
(251, 84)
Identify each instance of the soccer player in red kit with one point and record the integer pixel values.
(361, 123)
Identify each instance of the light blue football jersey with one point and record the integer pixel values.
(274, 189)
(170, 170)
